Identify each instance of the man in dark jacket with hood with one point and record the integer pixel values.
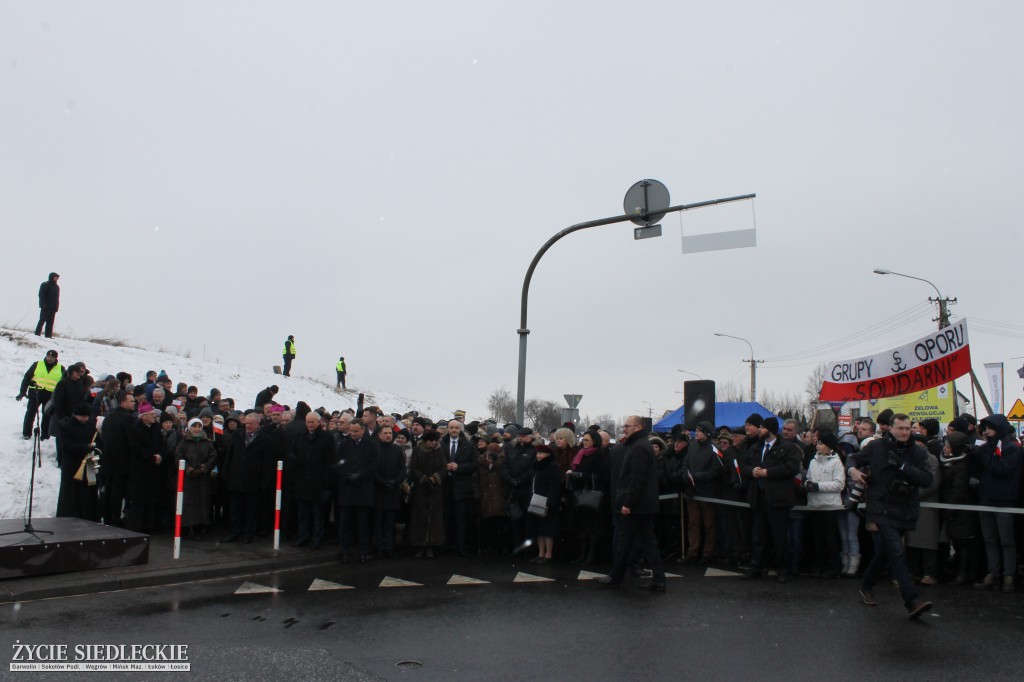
(894, 467)
(49, 303)
(703, 473)
(635, 498)
(997, 465)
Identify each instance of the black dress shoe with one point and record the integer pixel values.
(605, 580)
(652, 586)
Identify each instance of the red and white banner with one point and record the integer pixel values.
(936, 359)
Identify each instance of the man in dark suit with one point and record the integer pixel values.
(635, 498)
(458, 484)
(771, 465)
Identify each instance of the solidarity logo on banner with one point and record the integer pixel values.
(936, 359)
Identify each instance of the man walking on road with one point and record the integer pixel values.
(49, 303)
(289, 355)
(636, 499)
(894, 467)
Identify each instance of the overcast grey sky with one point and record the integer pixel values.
(375, 179)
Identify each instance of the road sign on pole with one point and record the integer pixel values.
(572, 400)
(570, 415)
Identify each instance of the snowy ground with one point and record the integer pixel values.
(19, 349)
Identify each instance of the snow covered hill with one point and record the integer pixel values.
(19, 349)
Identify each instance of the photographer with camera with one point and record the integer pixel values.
(898, 468)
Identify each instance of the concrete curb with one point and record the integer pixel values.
(73, 585)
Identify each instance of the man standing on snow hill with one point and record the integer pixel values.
(40, 380)
(289, 354)
(342, 371)
(49, 303)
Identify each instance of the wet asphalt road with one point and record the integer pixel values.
(715, 628)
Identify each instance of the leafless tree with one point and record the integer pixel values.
(544, 414)
(502, 405)
(813, 386)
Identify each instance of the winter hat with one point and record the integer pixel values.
(166, 417)
(144, 408)
(707, 428)
(511, 428)
(930, 426)
(959, 425)
(828, 438)
(755, 420)
(957, 442)
(885, 417)
(277, 408)
(970, 418)
(172, 410)
(194, 420)
(542, 449)
(771, 424)
(52, 352)
(206, 412)
(431, 435)
(82, 410)
(526, 431)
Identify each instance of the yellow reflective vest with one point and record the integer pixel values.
(341, 367)
(288, 351)
(47, 379)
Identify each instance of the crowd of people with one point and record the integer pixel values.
(758, 497)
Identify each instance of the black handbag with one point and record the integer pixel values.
(590, 498)
(514, 511)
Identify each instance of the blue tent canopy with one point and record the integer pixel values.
(726, 414)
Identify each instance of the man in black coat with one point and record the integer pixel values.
(311, 458)
(68, 394)
(117, 448)
(355, 468)
(49, 304)
(387, 495)
(517, 473)
(244, 470)
(144, 471)
(771, 465)
(265, 396)
(635, 498)
(458, 483)
(896, 467)
(38, 385)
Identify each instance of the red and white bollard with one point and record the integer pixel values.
(277, 508)
(177, 515)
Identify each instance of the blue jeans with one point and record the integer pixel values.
(849, 525)
(889, 550)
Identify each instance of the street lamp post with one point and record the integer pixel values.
(753, 365)
(943, 321)
(524, 330)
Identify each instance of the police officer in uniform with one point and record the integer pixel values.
(289, 354)
(342, 371)
(38, 384)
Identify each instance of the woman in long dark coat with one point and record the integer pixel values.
(77, 498)
(200, 458)
(426, 501)
(493, 500)
(547, 482)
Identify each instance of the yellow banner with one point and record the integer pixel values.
(934, 403)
